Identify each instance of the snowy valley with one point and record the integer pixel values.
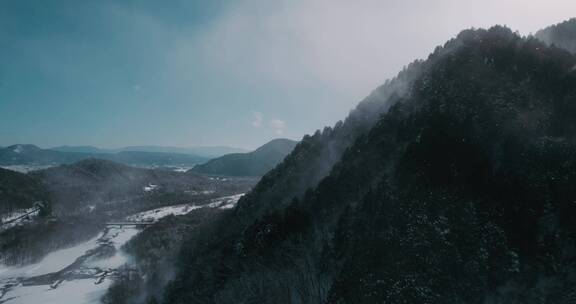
(83, 273)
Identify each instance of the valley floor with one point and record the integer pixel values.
(83, 273)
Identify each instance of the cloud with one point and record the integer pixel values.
(278, 126)
(258, 119)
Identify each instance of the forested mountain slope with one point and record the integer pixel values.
(255, 163)
(462, 192)
(19, 191)
(95, 182)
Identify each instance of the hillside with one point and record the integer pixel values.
(255, 163)
(19, 191)
(84, 195)
(31, 154)
(94, 182)
(460, 193)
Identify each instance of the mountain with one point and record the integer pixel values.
(138, 158)
(82, 149)
(215, 151)
(97, 181)
(206, 152)
(116, 187)
(82, 196)
(30, 154)
(33, 155)
(453, 183)
(255, 163)
(562, 35)
(19, 191)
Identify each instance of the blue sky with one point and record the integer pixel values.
(216, 72)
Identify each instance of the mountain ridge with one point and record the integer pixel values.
(203, 151)
(32, 155)
(254, 163)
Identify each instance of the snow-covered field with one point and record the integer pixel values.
(226, 202)
(17, 217)
(75, 275)
(16, 214)
(76, 291)
(82, 274)
(150, 188)
(53, 262)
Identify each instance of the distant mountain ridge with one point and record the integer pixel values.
(255, 163)
(82, 149)
(32, 155)
(204, 151)
(19, 191)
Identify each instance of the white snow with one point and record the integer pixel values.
(223, 179)
(53, 262)
(150, 187)
(86, 290)
(117, 238)
(18, 149)
(16, 214)
(82, 291)
(17, 217)
(77, 291)
(182, 169)
(204, 192)
(156, 214)
(153, 215)
(226, 202)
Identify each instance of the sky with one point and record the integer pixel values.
(113, 73)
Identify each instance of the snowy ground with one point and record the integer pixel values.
(16, 214)
(17, 217)
(226, 202)
(83, 273)
(150, 188)
(80, 274)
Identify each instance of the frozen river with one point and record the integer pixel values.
(82, 274)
